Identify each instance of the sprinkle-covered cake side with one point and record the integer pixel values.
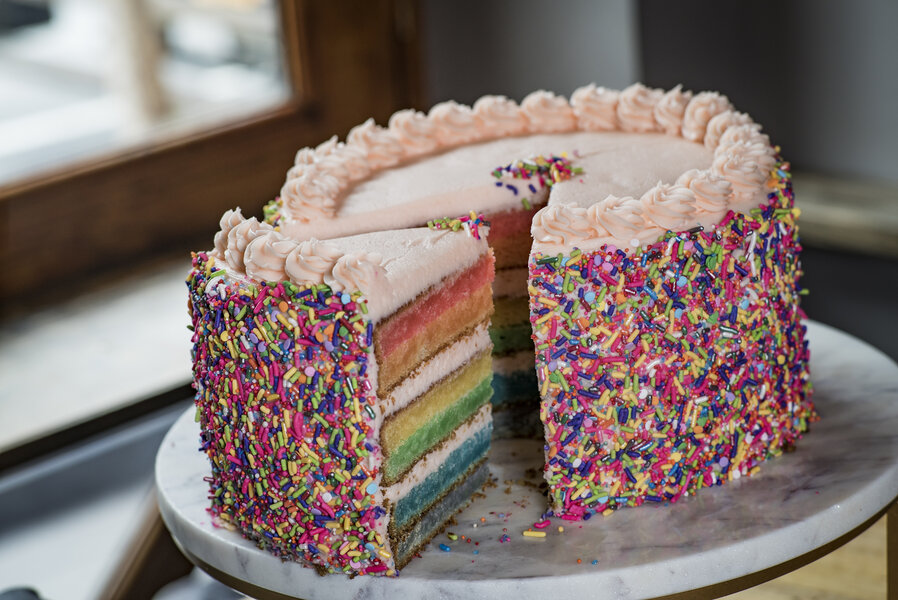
(287, 416)
(674, 366)
(342, 394)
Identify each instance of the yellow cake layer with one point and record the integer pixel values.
(438, 399)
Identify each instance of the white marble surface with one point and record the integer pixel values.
(844, 471)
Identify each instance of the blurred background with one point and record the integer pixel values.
(128, 126)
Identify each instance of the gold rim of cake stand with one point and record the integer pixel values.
(715, 590)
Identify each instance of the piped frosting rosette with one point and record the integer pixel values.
(256, 251)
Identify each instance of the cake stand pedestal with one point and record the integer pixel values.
(802, 505)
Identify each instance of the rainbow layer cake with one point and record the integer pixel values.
(646, 318)
(506, 161)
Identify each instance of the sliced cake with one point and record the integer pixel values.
(343, 387)
(661, 291)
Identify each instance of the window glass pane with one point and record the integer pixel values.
(85, 78)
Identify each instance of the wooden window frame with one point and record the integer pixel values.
(63, 231)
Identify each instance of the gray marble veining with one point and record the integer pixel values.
(843, 472)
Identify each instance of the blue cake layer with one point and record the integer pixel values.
(435, 518)
(427, 492)
(516, 387)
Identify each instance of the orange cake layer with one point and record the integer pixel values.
(435, 334)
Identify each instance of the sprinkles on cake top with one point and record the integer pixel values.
(470, 223)
(541, 170)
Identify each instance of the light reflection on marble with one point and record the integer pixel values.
(843, 473)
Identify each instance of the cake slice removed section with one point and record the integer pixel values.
(312, 455)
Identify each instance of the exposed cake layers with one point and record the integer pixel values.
(677, 366)
(423, 167)
(312, 454)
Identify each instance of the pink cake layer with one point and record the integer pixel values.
(420, 329)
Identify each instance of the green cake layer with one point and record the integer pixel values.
(435, 518)
(431, 432)
(426, 493)
(511, 338)
(510, 325)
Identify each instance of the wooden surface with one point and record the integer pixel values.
(846, 214)
(856, 571)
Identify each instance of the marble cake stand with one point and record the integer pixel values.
(802, 505)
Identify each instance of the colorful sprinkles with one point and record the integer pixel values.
(538, 172)
(471, 223)
(287, 416)
(678, 366)
(272, 212)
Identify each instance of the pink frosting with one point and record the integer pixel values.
(620, 217)
(499, 116)
(310, 261)
(636, 108)
(746, 166)
(560, 224)
(670, 206)
(239, 238)
(455, 123)
(548, 112)
(362, 271)
(742, 160)
(712, 192)
(297, 170)
(380, 146)
(266, 255)
(229, 220)
(701, 109)
(719, 124)
(311, 195)
(415, 131)
(334, 158)
(670, 110)
(341, 161)
(596, 108)
(743, 134)
(305, 156)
